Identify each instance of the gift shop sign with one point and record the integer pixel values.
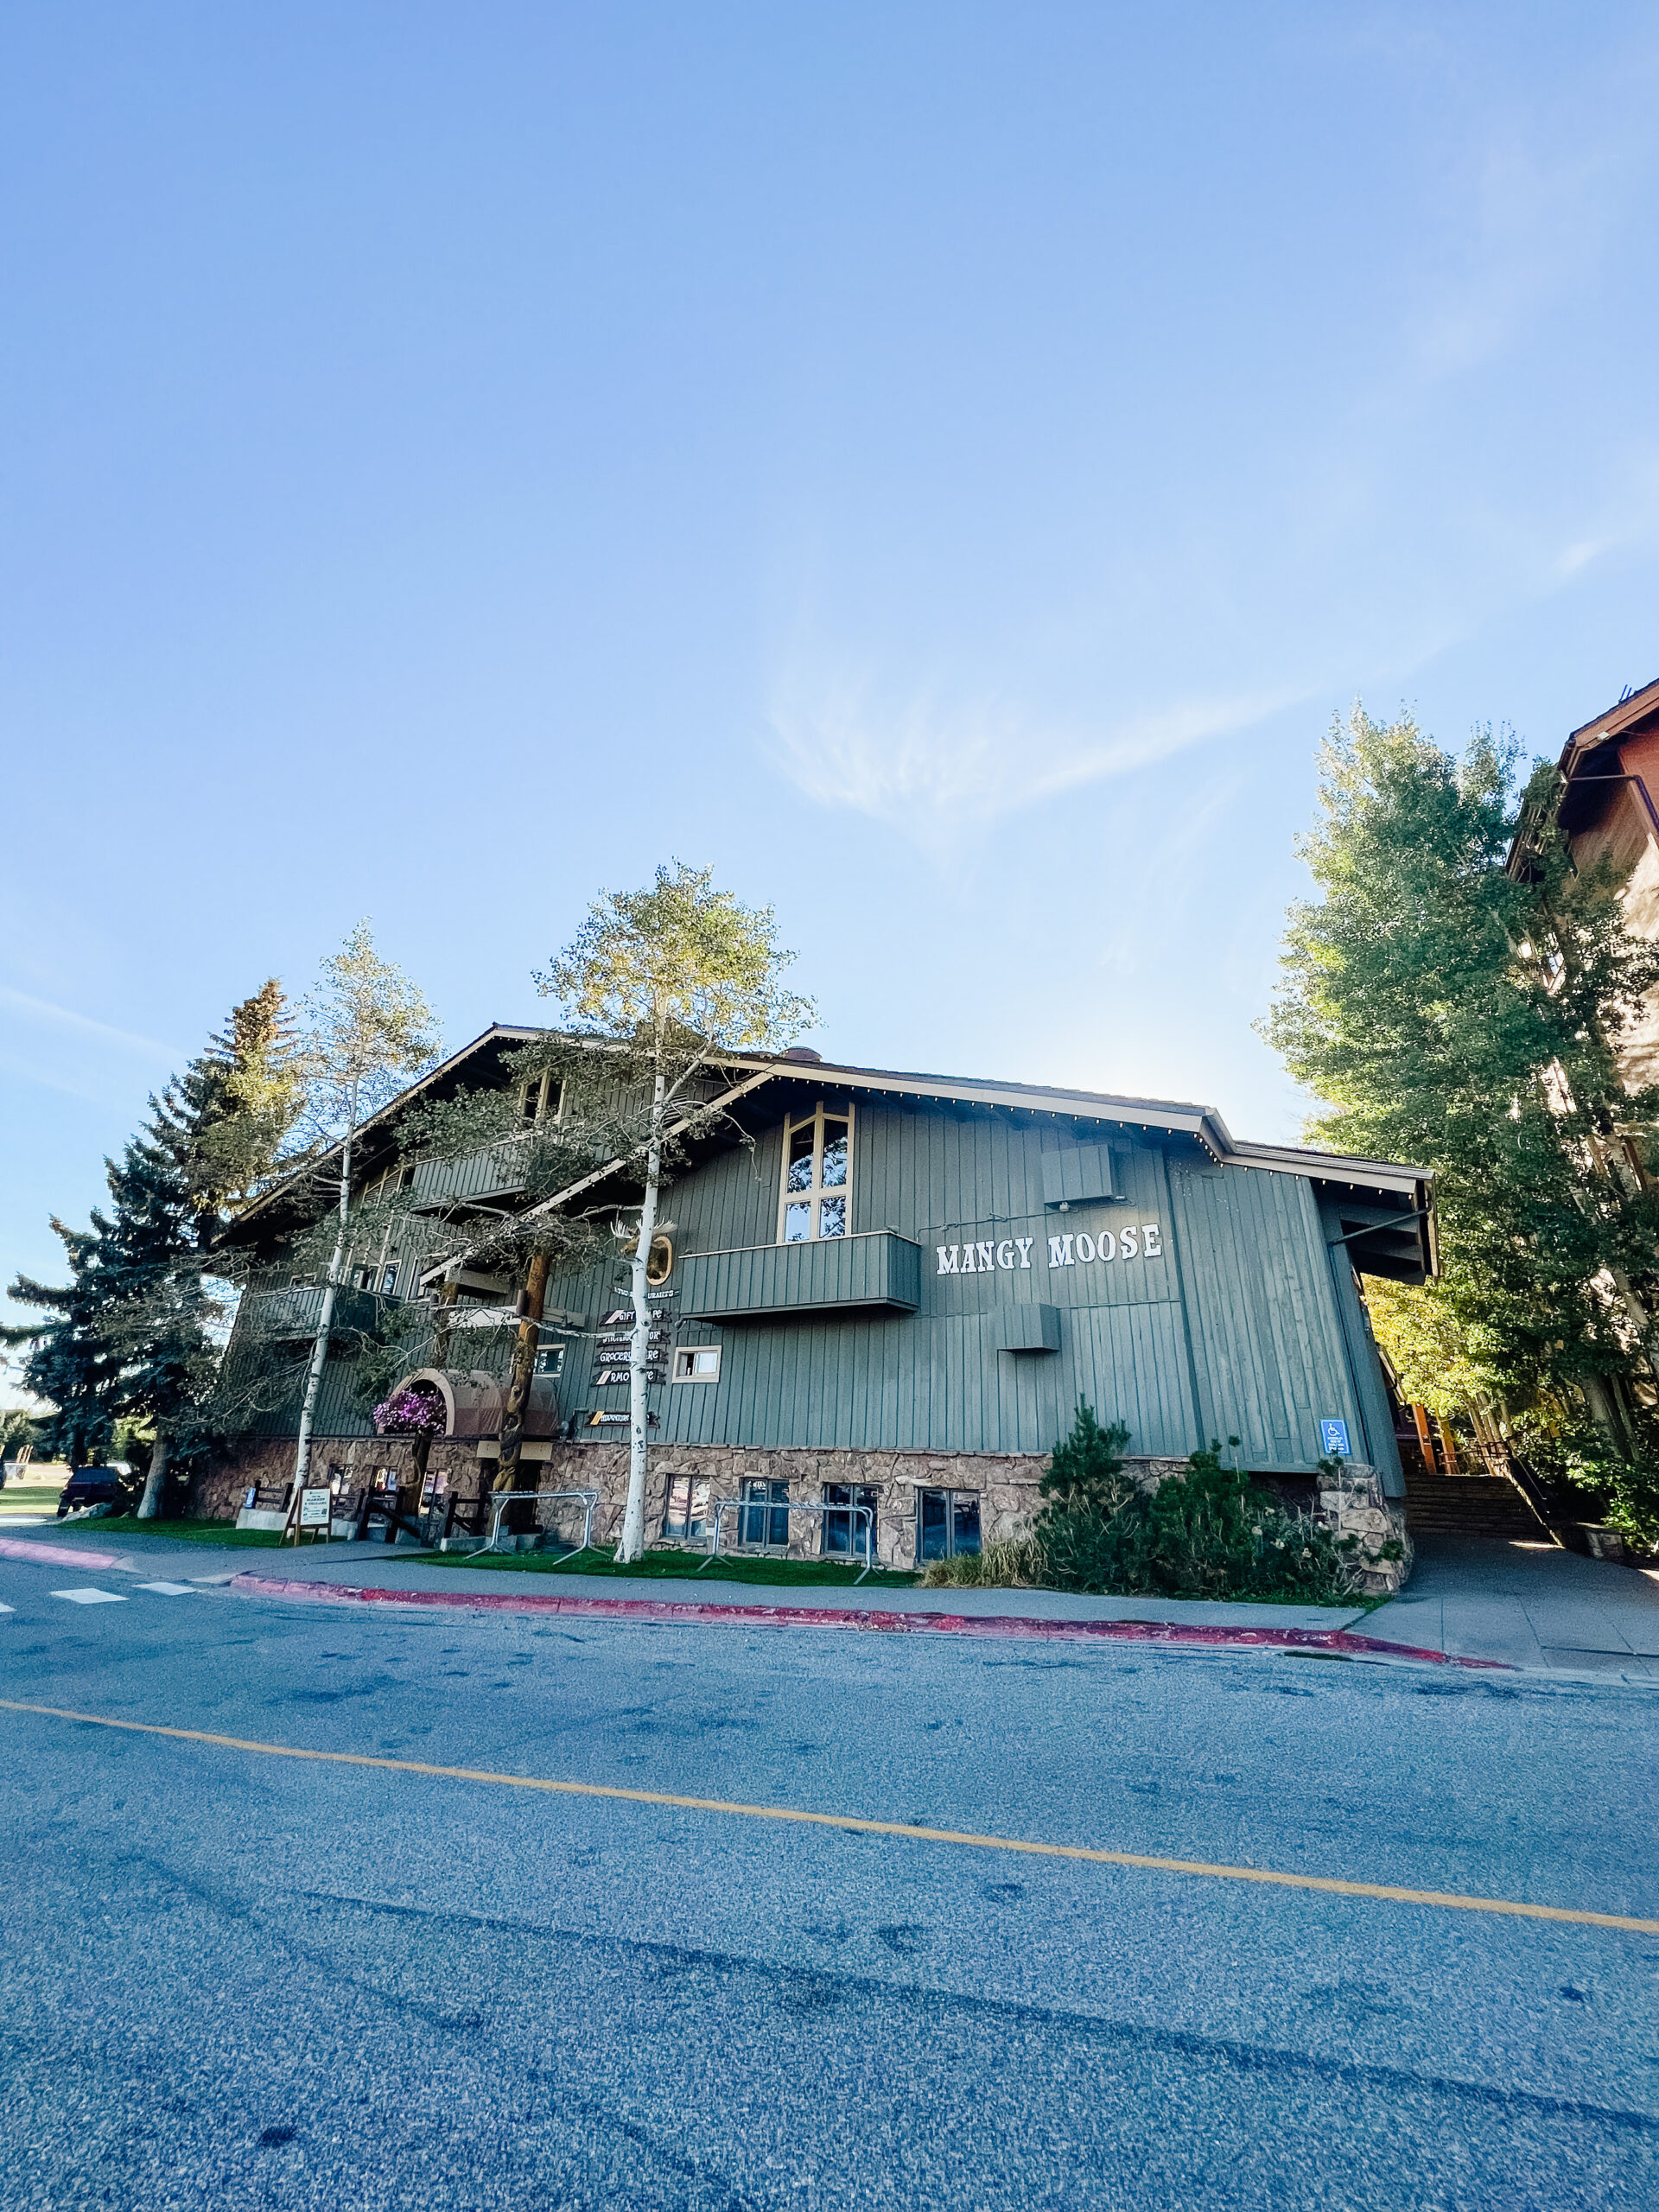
(1075, 1249)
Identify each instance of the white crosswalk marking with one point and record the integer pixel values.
(91, 1596)
(169, 1589)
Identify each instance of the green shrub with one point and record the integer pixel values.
(1207, 1533)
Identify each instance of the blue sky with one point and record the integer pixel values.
(941, 464)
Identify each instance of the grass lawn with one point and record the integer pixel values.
(30, 1497)
(681, 1567)
(187, 1532)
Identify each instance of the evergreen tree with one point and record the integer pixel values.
(70, 1361)
(241, 1100)
(157, 1310)
(1086, 1470)
(132, 1339)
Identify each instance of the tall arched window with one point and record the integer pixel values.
(816, 1198)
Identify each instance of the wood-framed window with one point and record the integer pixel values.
(540, 1100)
(817, 1197)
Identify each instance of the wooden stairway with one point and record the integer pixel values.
(1469, 1505)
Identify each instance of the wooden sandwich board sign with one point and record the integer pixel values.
(315, 1506)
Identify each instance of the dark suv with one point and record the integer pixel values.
(90, 1486)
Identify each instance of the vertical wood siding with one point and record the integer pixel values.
(1240, 1326)
(1233, 1328)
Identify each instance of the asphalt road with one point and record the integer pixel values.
(240, 1979)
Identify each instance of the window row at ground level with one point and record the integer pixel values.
(947, 1521)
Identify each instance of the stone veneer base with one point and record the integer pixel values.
(1007, 1485)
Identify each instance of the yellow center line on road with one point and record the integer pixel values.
(1198, 1868)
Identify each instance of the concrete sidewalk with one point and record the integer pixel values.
(1529, 1603)
(1512, 1604)
(379, 1565)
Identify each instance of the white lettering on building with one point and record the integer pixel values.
(1078, 1248)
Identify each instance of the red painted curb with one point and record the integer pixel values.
(665, 1611)
(54, 1555)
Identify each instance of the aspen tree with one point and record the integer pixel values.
(667, 980)
(368, 1031)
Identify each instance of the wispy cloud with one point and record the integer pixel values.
(931, 765)
(50, 1079)
(64, 1017)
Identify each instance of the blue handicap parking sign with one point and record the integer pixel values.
(1333, 1439)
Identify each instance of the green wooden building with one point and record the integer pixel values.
(893, 1296)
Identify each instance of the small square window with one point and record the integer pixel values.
(697, 1364)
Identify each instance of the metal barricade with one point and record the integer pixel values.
(779, 1505)
(502, 1499)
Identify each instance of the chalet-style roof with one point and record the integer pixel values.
(374, 1142)
(1591, 772)
(1390, 1201)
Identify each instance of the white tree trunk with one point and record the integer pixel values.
(155, 1481)
(632, 1545)
(320, 1348)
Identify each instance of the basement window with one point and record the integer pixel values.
(763, 1524)
(847, 1535)
(947, 1523)
(687, 1513)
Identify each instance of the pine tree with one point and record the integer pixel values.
(151, 1252)
(70, 1360)
(132, 1338)
(1086, 1470)
(241, 1100)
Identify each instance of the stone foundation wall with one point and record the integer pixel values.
(1005, 1484)
(1353, 1505)
(216, 1492)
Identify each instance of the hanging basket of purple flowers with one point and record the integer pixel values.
(416, 1411)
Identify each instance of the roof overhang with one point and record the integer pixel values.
(1591, 768)
(373, 1139)
(1400, 1197)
